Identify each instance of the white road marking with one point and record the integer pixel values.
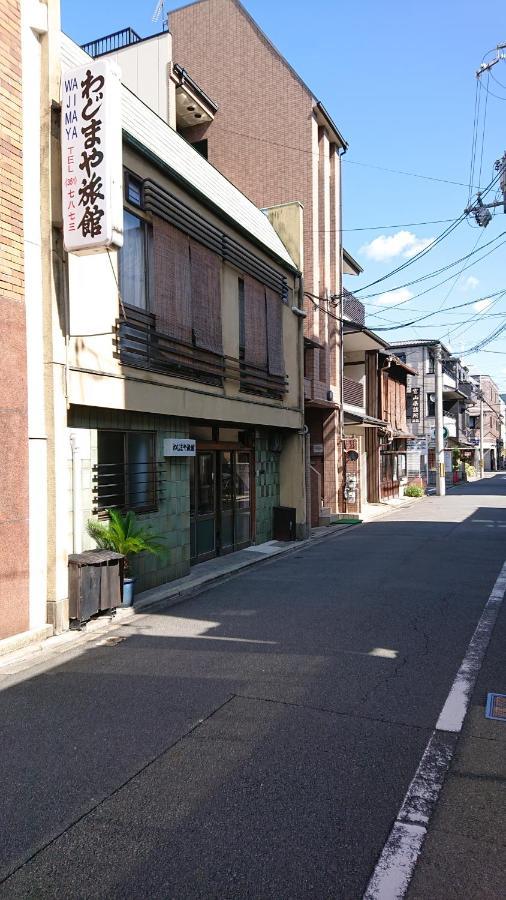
(394, 870)
(453, 713)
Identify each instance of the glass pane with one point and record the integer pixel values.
(201, 432)
(242, 480)
(229, 434)
(227, 484)
(192, 487)
(205, 536)
(134, 191)
(140, 470)
(132, 262)
(206, 483)
(111, 469)
(242, 528)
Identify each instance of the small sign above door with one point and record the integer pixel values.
(179, 447)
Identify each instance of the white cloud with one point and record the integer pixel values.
(482, 305)
(470, 283)
(399, 295)
(404, 243)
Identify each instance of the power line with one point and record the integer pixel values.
(458, 330)
(439, 272)
(398, 225)
(354, 162)
(447, 324)
(483, 132)
(427, 249)
(429, 315)
(477, 95)
(414, 258)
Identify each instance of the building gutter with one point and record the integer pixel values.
(332, 125)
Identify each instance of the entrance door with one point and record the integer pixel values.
(220, 503)
(203, 506)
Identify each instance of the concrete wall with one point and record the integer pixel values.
(14, 510)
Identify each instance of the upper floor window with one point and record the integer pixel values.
(431, 363)
(133, 189)
(132, 262)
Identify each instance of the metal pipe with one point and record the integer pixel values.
(77, 544)
(440, 463)
(482, 451)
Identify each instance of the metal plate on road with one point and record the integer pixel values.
(496, 707)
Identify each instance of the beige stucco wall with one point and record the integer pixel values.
(96, 378)
(145, 68)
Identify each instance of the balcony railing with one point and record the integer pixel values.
(111, 42)
(353, 309)
(140, 345)
(469, 389)
(353, 392)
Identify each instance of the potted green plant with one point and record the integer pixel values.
(125, 535)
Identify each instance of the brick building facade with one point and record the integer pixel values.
(13, 392)
(274, 140)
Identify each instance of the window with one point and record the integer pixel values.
(431, 364)
(126, 471)
(133, 189)
(431, 406)
(472, 421)
(132, 262)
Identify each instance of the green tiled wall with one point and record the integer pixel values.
(172, 518)
(267, 486)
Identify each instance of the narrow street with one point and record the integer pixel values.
(258, 739)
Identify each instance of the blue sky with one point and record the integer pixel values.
(398, 79)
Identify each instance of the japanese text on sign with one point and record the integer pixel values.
(91, 158)
(415, 404)
(179, 447)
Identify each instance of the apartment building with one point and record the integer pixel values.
(490, 407)
(458, 392)
(285, 156)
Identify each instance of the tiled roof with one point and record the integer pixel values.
(148, 129)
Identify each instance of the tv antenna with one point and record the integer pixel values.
(159, 13)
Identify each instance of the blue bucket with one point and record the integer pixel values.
(128, 591)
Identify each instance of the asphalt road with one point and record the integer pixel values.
(258, 739)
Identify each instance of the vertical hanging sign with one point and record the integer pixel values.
(92, 157)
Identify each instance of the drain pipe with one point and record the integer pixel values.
(77, 544)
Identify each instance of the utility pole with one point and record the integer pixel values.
(482, 460)
(440, 458)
